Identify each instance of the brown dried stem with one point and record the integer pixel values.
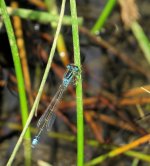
(22, 52)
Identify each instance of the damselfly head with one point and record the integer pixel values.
(35, 141)
(73, 67)
(71, 75)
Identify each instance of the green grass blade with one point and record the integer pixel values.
(80, 126)
(20, 80)
(40, 16)
(35, 105)
(142, 39)
(103, 17)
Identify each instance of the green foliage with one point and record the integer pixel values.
(80, 126)
(20, 79)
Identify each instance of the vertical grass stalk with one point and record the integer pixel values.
(20, 80)
(36, 102)
(142, 39)
(80, 126)
(103, 17)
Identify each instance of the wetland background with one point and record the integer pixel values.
(114, 52)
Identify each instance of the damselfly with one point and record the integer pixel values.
(49, 116)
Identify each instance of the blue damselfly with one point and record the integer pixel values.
(49, 116)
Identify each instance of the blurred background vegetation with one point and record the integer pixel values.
(115, 56)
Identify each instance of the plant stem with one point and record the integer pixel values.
(121, 150)
(19, 75)
(103, 17)
(142, 39)
(80, 127)
(17, 24)
(42, 17)
(61, 46)
(36, 102)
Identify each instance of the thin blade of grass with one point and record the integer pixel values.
(36, 102)
(80, 126)
(103, 16)
(121, 150)
(20, 80)
(42, 17)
